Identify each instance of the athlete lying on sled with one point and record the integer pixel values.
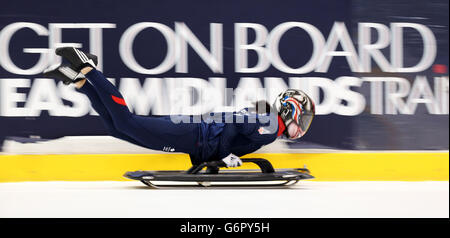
(203, 141)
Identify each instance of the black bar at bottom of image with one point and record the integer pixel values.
(229, 226)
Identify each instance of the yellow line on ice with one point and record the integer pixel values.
(367, 166)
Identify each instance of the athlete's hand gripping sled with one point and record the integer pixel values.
(266, 173)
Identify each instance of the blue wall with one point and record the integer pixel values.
(364, 114)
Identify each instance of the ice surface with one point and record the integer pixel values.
(306, 199)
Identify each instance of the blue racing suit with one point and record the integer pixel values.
(239, 133)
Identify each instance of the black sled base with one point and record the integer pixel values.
(265, 176)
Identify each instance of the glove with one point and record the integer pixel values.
(232, 161)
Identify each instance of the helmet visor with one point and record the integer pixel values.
(296, 130)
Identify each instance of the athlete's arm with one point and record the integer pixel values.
(229, 133)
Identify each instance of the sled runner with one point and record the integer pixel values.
(213, 175)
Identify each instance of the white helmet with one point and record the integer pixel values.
(296, 110)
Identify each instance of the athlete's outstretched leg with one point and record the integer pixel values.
(68, 76)
(109, 95)
(87, 89)
(158, 133)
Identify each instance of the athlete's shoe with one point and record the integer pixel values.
(77, 58)
(69, 73)
(63, 73)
